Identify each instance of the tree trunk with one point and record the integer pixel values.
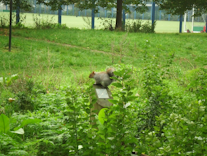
(119, 15)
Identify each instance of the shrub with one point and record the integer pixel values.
(138, 26)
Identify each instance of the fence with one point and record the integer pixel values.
(71, 10)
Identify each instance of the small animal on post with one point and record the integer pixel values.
(103, 78)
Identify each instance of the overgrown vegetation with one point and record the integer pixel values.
(4, 21)
(42, 22)
(159, 96)
(139, 26)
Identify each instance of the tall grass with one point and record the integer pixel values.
(66, 55)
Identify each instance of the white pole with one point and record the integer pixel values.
(185, 16)
(192, 19)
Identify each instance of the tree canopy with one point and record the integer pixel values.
(23, 4)
(178, 7)
(138, 5)
(56, 4)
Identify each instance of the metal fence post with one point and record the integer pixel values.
(160, 15)
(169, 17)
(59, 14)
(35, 10)
(153, 13)
(67, 9)
(135, 14)
(143, 16)
(73, 8)
(40, 11)
(17, 12)
(181, 20)
(93, 16)
(206, 23)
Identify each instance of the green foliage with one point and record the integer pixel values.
(108, 24)
(10, 142)
(55, 4)
(8, 80)
(4, 21)
(4, 124)
(138, 5)
(171, 6)
(117, 123)
(46, 23)
(23, 4)
(171, 121)
(159, 101)
(138, 26)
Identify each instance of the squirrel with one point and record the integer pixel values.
(103, 78)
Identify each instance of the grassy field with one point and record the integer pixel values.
(73, 53)
(155, 98)
(78, 22)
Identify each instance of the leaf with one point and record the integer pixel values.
(19, 131)
(114, 78)
(4, 124)
(119, 85)
(28, 121)
(1, 80)
(126, 77)
(113, 101)
(101, 115)
(12, 78)
(119, 73)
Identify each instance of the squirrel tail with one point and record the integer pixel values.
(110, 72)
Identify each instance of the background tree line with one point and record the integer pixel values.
(174, 7)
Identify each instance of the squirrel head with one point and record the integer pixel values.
(92, 75)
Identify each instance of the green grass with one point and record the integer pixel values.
(78, 22)
(58, 61)
(68, 54)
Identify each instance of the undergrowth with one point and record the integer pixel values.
(159, 104)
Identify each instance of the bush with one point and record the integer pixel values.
(138, 26)
(47, 22)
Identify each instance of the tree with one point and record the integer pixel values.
(56, 4)
(26, 5)
(138, 5)
(23, 4)
(178, 7)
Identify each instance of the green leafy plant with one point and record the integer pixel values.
(108, 24)
(117, 135)
(8, 80)
(9, 138)
(139, 26)
(43, 23)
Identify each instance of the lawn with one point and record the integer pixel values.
(159, 97)
(68, 50)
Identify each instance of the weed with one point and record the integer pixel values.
(139, 26)
(108, 24)
(43, 23)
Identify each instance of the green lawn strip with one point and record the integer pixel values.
(189, 49)
(33, 55)
(185, 46)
